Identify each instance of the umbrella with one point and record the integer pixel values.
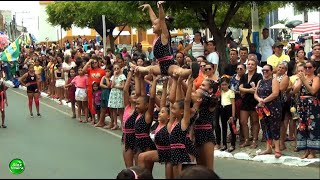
(3, 41)
(293, 24)
(278, 26)
(306, 28)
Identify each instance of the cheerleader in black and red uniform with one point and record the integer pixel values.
(178, 129)
(31, 81)
(162, 49)
(205, 102)
(128, 122)
(144, 106)
(161, 137)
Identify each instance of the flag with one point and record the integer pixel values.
(26, 39)
(33, 38)
(12, 52)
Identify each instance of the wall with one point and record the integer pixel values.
(45, 29)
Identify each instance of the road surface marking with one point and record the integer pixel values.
(67, 114)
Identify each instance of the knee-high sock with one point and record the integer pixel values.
(30, 103)
(36, 101)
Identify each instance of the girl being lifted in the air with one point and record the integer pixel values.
(162, 50)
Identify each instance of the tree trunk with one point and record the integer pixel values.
(112, 39)
(98, 26)
(249, 35)
(221, 45)
(305, 16)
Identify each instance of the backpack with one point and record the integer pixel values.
(16, 83)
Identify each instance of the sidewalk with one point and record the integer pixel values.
(289, 157)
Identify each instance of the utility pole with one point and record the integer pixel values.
(255, 24)
(14, 27)
(104, 38)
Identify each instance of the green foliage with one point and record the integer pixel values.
(87, 13)
(242, 19)
(305, 5)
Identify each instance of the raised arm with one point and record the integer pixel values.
(297, 86)
(149, 114)
(126, 89)
(162, 18)
(315, 85)
(152, 15)
(185, 51)
(88, 64)
(186, 114)
(142, 85)
(137, 83)
(164, 94)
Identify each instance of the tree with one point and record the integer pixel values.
(89, 14)
(305, 6)
(205, 14)
(217, 16)
(243, 20)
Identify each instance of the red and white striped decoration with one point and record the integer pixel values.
(306, 28)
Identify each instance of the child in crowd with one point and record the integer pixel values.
(59, 81)
(228, 113)
(96, 94)
(3, 101)
(116, 96)
(71, 91)
(81, 97)
(105, 85)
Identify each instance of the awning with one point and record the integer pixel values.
(278, 26)
(293, 24)
(304, 28)
(123, 33)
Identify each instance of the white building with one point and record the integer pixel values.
(45, 29)
(290, 13)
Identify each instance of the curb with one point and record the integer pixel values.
(267, 159)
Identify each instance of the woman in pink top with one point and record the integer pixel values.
(80, 82)
(124, 52)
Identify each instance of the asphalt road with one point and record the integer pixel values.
(57, 146)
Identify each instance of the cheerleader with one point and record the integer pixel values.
(161, 137)
(178, 129)
(144, 106)
(205, 102)
(129, 116)
(31, 81)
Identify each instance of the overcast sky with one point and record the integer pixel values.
(28, 11)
